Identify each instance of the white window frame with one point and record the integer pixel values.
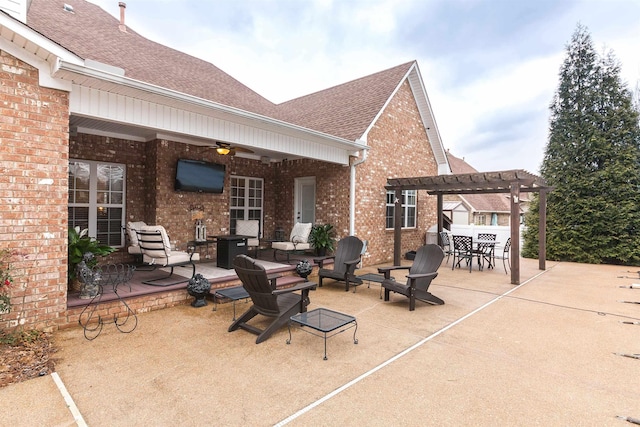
(246, 204)
(406, 195)
(93, 203)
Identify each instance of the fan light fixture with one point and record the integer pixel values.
(223, 151)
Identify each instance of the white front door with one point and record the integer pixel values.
(305, 200)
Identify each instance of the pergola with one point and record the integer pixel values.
(510, 181)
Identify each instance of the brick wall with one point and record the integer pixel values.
(34, 128)
(399, 148)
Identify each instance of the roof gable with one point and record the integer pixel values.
(346, 110)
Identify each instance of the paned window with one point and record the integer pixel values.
(97, 199)
(246, 200)
(409, 203)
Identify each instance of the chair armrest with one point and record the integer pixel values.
(387, 270)
(272, 278)
(413, 277)
(299, 287)
(320, 260)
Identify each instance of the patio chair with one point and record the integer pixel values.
(485, 248)
(131, 238)
(346, 260)
(279, 304)
(446, 244)
(421, 274)
(462, 250)
(251, 228)
(156, 250)
(298, 240)
(506, 257)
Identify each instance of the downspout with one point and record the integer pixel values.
(352, 192)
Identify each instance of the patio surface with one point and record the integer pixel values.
(541, 353)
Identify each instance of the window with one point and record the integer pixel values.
(246, 200)
(481, 219)
(97, 199)
(409, 198)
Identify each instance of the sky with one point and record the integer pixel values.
(490, 67)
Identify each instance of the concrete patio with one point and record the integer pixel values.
(541, 353)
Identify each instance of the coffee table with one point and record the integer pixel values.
(325, 321)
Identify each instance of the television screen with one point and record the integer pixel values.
(199, 176)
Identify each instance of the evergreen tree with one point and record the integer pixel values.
(592, 160)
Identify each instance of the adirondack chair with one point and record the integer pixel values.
(279, 304)
(421, 273)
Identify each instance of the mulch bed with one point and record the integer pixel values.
(26, 356)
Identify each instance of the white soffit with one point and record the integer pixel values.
(102, 95)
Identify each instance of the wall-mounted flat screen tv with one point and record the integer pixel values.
(199, 176)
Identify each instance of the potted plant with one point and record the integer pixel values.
(322, 238)
(81, 244)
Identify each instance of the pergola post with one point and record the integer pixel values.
(542, 231)
(440, 221)
(515, 233)
(397, 228)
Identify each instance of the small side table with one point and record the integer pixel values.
(325, 321)
(234, 294)
(376, 278)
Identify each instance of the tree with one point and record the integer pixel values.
(592, 160)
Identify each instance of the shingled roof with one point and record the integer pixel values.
(344, 111)
(479, 202)
(92, 33)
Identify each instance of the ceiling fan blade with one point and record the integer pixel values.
(242, 150)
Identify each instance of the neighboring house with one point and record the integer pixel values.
(478, 209)
(94, 118)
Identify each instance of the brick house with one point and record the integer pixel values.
(84, 96)
(478, 209)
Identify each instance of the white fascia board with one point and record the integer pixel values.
(429, 120)
(33, 48)
(64, 67)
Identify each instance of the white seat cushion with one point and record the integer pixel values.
(248, 227)
(134, 250)
(290, 246)
(156, 245)
(176, 257)
(300, 232)
(132, 226)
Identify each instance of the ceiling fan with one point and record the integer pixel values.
(226, 149)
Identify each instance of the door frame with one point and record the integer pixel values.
(300, 184)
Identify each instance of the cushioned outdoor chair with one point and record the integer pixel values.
(421, 274)
(131, 238)
(251, 228)
(346, 260)
(298, 240)
(279, 304)
(156, 250)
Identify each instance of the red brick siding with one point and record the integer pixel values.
(34, 128)
(399, 148)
